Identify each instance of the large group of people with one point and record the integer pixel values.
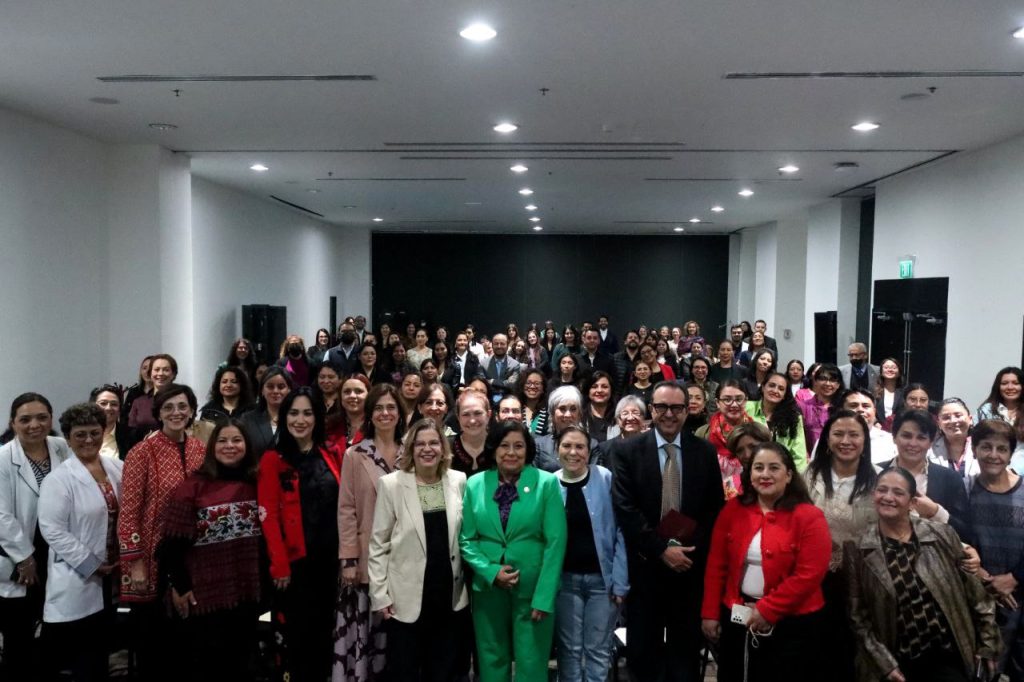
(428, 504)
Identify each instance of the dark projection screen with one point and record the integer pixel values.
(491, 280)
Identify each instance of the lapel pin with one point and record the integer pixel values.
(526, 489)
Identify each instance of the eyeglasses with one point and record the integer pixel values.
(662, 408)
(827, 380)
(533, 384)
(732, 400)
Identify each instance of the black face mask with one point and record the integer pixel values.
(348, 338)
(858, 363)
(294, 350)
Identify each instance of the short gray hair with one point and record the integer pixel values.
(630, 401)
(562, 395)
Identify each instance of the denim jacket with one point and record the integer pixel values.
(611, 546)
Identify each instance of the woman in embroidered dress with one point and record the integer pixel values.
(298, 493)
(359, 638)
(152, 470)
(210, 552)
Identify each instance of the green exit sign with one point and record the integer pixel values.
(907, 269)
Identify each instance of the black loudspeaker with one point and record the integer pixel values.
(825, 335)
(909, 324)
(266, 327)
(333, 329)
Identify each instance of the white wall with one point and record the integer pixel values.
(54, 298)
(962, 218)
(246, 250)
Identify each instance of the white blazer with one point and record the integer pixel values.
(398, 546)
(73, 520)
(19, 502)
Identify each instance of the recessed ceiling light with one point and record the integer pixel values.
(746, 192)
(677, 228)
(478, 33)
(694, 220)
(537, 228)
(534, 219)
(104, 100)
(519, 168)
(349, 206)
(313, 191)
(1019, 33)
(473, 203)
(526, 191)
(506, 128)
(163, 126)
(378, 220)
(865, 126)
(530, 207)
(259, 168)
(717, 209)
(789, 168)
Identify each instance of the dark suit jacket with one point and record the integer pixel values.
(602, 361)
(257, 427)
(336, 355)
(636, 493)
(609, 344)
(945, 487)
(505, 383)
(451, 375)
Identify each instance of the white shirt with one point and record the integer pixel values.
(753, 574)
(462, 367)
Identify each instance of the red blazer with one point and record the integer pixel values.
(277, 490)
(795, 551)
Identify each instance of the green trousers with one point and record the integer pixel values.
(505, 633)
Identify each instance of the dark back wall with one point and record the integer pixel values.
(491, 280)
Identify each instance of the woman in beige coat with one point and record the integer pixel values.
(416, 577)
(359, 638)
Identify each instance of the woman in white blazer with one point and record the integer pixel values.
(78, 507)
(415, 567)
(24, 462)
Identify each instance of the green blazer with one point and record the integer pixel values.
(533, 543)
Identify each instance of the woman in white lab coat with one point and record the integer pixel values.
(78, 506)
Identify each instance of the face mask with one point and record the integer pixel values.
(348, 337)
(295, 350)
(858, 363)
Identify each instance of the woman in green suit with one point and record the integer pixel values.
(513, 538)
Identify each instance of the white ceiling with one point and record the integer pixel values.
(639, 84)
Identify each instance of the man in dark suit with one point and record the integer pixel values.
(592, 357)
(501, 371)
(346, 353)
(609, 342)
(666, 577)
(859, 373)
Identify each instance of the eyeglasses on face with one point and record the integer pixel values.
(732, 400)
(662, 408)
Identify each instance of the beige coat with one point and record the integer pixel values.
(398, 547)
(969, 610)
(357, 498)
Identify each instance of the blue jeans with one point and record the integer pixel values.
(585, 618)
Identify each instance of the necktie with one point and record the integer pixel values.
(670, 483)
(499, 368)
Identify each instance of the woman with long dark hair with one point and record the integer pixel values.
(261, 424)
(567, 372)
(570, 345)
(826, 386)
(327, 387)
(316, 352)
(889, 389)
(298, 498)
(368, 364)
(532, 392)
(143, 385)
(1005, 401)
(762, 364)
(163, 370)
(211, 554)
(243, 354)
(229, 397)
(599, 405)
(777, 409)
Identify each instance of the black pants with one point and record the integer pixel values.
(663, 624)
(18, 619)
(308, 610)
(839, 648)
(790, 654)
(81, 646)
(935, 666)
(153, 627)
(222, 644)
(430, 650)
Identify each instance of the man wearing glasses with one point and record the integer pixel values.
(859, 373)
(667, 492)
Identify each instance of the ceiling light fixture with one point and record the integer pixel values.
(378, 220)
(259, 168)
(694, 220)
(348, 206)
(677, 228)
(537, 228)
(534, 219)
(506, 127)
(865, 126)
(519, 168)
(717, 209)
(746, 192)
(788, 168)
(478, 33)
(530, 207)
(163, 126)
(526, 191)
(1019, 33)
(104, 100)
(313, 191)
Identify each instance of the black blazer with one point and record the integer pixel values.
(602, 361)
(257, 427)
(636, 494)
(897, 405)
(945, 487)
(473, 370)
(609, 344)
(126, 438)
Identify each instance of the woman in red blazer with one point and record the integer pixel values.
(762, 587)
(303, 558)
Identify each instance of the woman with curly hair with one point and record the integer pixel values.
(777, 409)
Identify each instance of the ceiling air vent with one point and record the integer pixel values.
(217, 78)
(966, 73)
(296, 206)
